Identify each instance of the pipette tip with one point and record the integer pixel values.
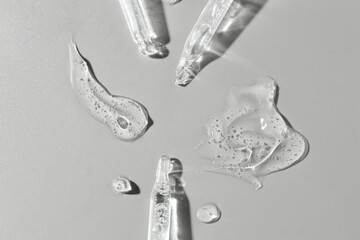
(184, 77)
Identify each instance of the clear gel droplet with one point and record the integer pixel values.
(250, 139)
(126, 118)
(121, 185)
(208, 213)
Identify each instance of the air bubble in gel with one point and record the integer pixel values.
(250, 139)
(126, 118)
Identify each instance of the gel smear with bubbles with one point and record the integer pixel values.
(126, 118)
(250, 139)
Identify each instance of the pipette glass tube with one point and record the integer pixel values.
(199, 39)
(160, 207)
(140, 22)
(219, 24)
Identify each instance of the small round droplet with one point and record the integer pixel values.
(121, 185)
(208, 213)
(127, 118)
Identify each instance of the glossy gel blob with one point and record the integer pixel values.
(208, 213)
(121, 185)
(250, 139)
(126, 118)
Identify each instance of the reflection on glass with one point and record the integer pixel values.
(180, 228)
(147, 25)
(208, 213)
(219, 24)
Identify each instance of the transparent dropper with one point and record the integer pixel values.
(219, 24)
(139, 22)
(160, 208)
(199, 39)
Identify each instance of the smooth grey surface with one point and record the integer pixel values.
(57, 163)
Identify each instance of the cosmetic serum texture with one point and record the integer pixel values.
(208, 213)
(250, 139)
(126, 118)
(121, 185)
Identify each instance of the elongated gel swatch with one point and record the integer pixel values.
(126, 118)
(142, 18)
(250, 139)
(217, 27)
(160, 205)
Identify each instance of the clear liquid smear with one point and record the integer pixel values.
(126, 118)
(250, 139)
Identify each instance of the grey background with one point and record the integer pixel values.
(57, 163)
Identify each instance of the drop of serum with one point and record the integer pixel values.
(126, 118)
(208, 213)
(121, 185)
(250, 139)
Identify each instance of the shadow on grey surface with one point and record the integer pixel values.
(240, 14)
(134, 189)
(150, 121)
(180, 228)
